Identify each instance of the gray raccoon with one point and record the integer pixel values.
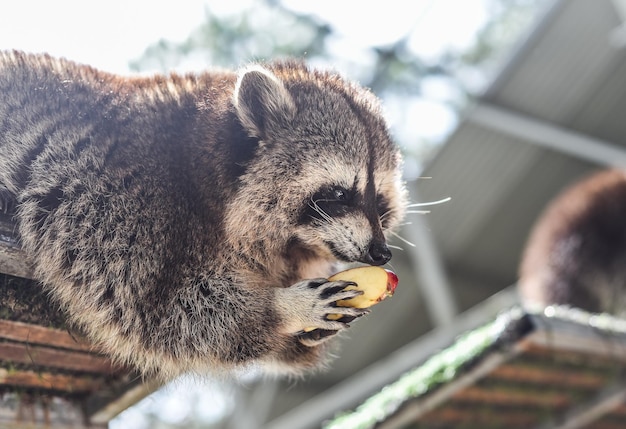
(189, 223)
(576, 254)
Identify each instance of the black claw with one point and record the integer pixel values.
(347, 319)
(356, 313)
(353, 294)
(317, 334)
(315, 283)
(328, 292)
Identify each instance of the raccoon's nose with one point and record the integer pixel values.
(377, 254)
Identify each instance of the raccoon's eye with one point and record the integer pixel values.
(339, 194)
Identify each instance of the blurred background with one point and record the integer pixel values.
(496, 104)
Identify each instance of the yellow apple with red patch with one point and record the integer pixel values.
(376, 283)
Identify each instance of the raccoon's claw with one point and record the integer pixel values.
(307, 305)
(311, 337)
(344, 317)
(315, 337)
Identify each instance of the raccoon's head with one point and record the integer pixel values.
(325, 175)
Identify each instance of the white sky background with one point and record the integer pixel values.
(109, 34)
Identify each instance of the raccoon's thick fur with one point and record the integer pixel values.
(576, 254)
(189, 223)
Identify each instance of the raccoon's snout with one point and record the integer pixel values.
(377, 254)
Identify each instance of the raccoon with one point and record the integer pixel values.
(190, 222)
(576, 254)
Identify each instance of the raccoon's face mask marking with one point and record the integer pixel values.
(337, 218)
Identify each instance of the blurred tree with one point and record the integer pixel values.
(268, 29)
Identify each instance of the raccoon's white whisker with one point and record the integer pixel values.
(384, 215)
(403, 239)
(417, 211)
(322, 217)
(430, 203)
(325, 216)
(395, 247)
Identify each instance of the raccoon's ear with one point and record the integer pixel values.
(261, 101)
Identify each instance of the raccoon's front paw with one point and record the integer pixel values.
(305, 306)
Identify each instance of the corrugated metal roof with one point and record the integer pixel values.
(519, 371)
(564, 64)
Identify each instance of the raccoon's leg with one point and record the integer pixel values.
(307, 304)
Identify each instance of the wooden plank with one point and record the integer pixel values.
(53, 358)
(523, 373)
(606, 425)
(49, 381)
(586, 413)
(35, 334)
(449, 416)
(496, 396)
(572, 351)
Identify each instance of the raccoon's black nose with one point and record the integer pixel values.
(377, 254)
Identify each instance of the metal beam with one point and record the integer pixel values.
(547, 135)
(429, 269)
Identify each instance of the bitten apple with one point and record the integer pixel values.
(376, 283)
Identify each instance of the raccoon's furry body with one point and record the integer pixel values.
(188, 222)
(576, 254)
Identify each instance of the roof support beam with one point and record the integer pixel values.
(429, 269)
(547, 135)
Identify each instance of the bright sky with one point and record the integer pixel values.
(105, 34)
(108, 34)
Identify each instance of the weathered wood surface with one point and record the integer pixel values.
(50, 377)
(34, 334)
